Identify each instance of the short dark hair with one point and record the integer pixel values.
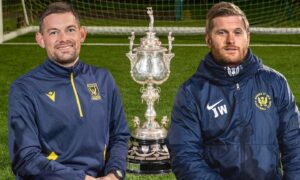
(57, 8)
(224, 9)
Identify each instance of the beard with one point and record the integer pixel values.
(66, 57)
(225, 59)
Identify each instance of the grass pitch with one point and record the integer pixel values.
(19, 59)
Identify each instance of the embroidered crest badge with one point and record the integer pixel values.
(263, 101)
(94, 91)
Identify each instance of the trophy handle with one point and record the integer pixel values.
(131, 41)
(170, 40)
(167, 58)
(132, 58)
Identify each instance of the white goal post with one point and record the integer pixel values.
(186, 17)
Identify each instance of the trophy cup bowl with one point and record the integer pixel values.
(150, 67)
(149, 64)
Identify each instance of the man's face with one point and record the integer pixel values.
(228, 40)
(61, 37)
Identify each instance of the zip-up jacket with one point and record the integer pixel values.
(237, 123)
(65, 123)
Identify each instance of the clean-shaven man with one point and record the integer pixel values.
(66, 119)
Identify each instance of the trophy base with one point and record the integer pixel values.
(148, 157)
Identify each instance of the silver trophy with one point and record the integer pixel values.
(150, 66)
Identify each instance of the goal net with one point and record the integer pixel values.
(125, 16)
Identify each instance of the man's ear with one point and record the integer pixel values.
(39, 39)
(248, 36)
(208, 41)
(83, 33)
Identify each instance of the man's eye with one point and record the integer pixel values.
(238, 32)
(71, 29)
(52, 32)
(220, 32)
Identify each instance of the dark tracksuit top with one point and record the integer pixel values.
(65, 123)
(235, 124)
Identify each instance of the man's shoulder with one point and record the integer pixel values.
(194, 83)
(270, 73)
(27, 77)
(102, 75)
(24, 84)
(94, 69)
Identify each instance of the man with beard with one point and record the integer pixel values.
(66, 119)
(234, 118)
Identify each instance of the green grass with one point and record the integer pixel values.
(16, 60)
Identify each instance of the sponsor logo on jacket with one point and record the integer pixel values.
(51, 95)
(217, 108)
(263, 101)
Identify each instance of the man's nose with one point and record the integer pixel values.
(230, 38)
(62, 36)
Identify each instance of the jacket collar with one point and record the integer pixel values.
(55, 69)
(209, 69)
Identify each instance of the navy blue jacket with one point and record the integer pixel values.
(65, 123)
(233, 123)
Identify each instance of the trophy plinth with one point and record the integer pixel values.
(150, 66)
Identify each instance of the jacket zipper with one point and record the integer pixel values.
(76, 95)
(237, 86)
(104, 153)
